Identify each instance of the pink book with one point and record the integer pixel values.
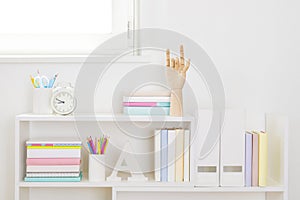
(146, 104)
(143, 104)
(254, 159)
(53, 161)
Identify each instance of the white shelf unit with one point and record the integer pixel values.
(33, 126)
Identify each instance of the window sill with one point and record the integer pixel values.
(20, 59)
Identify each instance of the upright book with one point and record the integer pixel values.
(171, 154)
(263, 159)
(254, 159)
(248, 159)
(179, 170)
(186, 156)
(164, 155)
(157, 154)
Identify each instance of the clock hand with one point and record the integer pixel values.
(59, 101)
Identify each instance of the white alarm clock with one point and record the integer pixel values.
(63, 101)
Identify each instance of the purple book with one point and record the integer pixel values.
(248, 159)
(164, 155)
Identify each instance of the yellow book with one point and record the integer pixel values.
(179, 149)
(262, 158)
(53, 147)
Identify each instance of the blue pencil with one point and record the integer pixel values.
(90, 148)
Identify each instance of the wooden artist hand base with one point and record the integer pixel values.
(176, 108)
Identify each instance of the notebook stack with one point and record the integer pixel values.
(172, 155)
(53, 160)
(146, 105)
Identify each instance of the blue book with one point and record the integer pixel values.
(146, 110)
(248, 159)
(164, 155)
(53, 179)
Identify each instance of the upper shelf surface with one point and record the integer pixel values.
(101, 117)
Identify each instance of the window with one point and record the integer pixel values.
(61, 26)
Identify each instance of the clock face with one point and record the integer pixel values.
(63, 102)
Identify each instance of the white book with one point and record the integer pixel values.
(53, 168)
(146, 99)
(186, 156)
(53, 153)
(52, 174)
(157, 155)
(171, 155)
(67, 141)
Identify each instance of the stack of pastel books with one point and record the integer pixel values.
(53, 160)
(172, 155)
(256, 158)
(139, 105)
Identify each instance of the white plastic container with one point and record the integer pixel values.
(96, 167)
(41, 100)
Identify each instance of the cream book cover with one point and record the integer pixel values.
(179, 155)
(262, 159)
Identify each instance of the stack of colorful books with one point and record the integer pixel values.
(138, 105)
(256, 158)
(172, 155)
(53, 160)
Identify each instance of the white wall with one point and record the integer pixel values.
(252, 43)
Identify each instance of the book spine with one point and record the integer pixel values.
(254, 159)
(146, 110)
(52, 147)
(53, 161)
(53, 179)
(146, 104)
(164, 155)
(263, 159)
(52, 143)
(248, 159)
(179, 155)
(146, 99)
(157, 167)
(53, 153)
(53, 168)
(186, 156)
(52, 174)
(171, 155)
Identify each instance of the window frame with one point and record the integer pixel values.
(74, 44)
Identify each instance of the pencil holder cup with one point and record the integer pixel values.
(96, 167)
(41, 100)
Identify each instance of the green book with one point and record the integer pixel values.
(53, 179)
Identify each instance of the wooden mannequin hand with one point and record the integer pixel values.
(175, 74)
